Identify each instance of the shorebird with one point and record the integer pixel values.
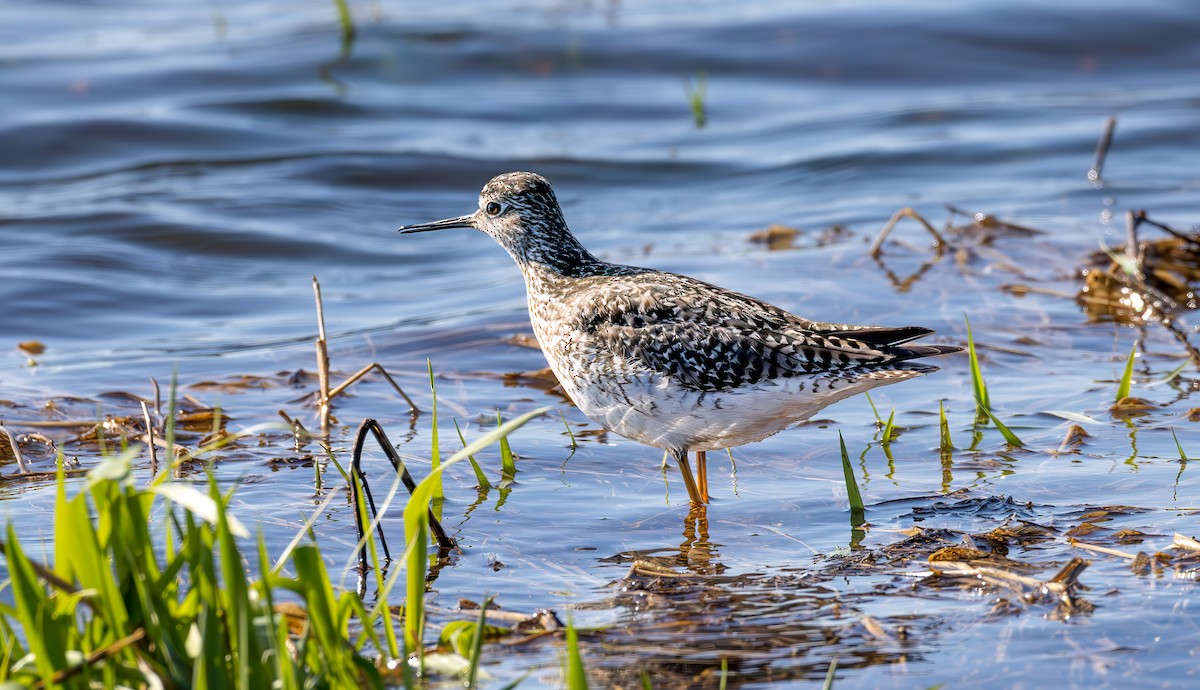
(671, 361)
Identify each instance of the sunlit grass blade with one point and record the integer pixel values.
(1127, 264)
(477, 643)
(1183, 461)
(34, 615)
(946, 445)
(857, 509)
(570, 434)
(1179, 447)
(435, 455)
(889, 427)
(1126, 383)
(1174, 373)
(416, 531)
(480, 478)
(1009, 437)
(508, 466)
(345, 19)
(982, 403)
(874, 410)
(576, 677)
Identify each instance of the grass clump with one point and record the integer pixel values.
(123, 606)
(149, 587)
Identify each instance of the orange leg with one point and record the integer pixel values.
(702, 475)
(685, 469)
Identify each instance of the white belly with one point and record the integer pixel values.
(655, 411)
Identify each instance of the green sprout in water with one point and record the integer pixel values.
(576, 678)
(697, 92)
(889, 428)
(857, 509)
(1126, 384)
(983, 405)
(345, 20)
(946, 445)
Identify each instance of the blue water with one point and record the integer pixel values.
(173, 174)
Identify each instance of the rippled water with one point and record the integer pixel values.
(173, 174)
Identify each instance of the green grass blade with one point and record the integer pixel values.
(508, 466)
(576, 677)
(696, 93)
(520, 679)
(982, 403)
(480, 478)
(1009, 437)
(477, 644)
(33, 611)
(1183, 458)
(874, 410)
(416, 532)
(416, 528)
(1177, 370)
(857, 509)
(889, 428)
(1127, 264)
(570, 434)
(1126, 383)
(345, 19)
(435, 455)
(946, 445)
(1183, 461)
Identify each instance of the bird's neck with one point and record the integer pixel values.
(550, 255)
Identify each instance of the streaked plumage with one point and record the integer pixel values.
(668, 360)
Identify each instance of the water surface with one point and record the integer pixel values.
(173, 175)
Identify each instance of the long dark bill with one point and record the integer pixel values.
(460, 222)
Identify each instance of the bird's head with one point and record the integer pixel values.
(519, 210)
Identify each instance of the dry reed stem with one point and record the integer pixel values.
(150, 433)
(1102, 146)
(16, 450)
(326, 395)
(366, 370)
(1100, 549)
(322, 360)
(1188, 543)
(907, 212)
(56, 424)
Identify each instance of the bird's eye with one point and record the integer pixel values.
(493, 208)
